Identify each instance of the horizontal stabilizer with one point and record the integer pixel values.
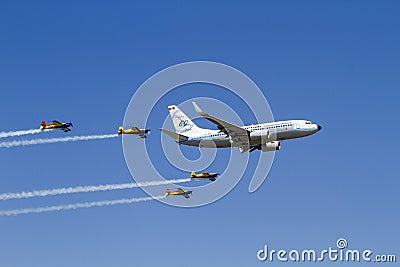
(176, 136)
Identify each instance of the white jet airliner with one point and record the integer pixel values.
(265, 137)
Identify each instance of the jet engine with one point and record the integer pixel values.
(271, 146)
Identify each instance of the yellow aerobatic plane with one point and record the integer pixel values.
(56, 125)
(134, 130)
(204, 176)
(179, 192)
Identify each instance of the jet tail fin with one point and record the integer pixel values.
(182, 123)
(120, 130)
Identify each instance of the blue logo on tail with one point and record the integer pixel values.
(183, 125)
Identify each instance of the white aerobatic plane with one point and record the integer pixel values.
(265, 137)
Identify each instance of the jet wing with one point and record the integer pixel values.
(240, 137)
(180, 190)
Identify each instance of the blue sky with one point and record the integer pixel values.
(335, 63)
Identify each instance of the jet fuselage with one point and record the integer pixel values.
(259, 134)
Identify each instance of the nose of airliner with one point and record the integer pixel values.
(319, 127)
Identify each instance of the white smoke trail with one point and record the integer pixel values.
(55, 140)
(82, 205)
(85, 189)
(22, 132)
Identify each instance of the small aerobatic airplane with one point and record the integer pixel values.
(179, 192)
(265, 137)
(56, 125)
(204, 176)
(134, 130)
